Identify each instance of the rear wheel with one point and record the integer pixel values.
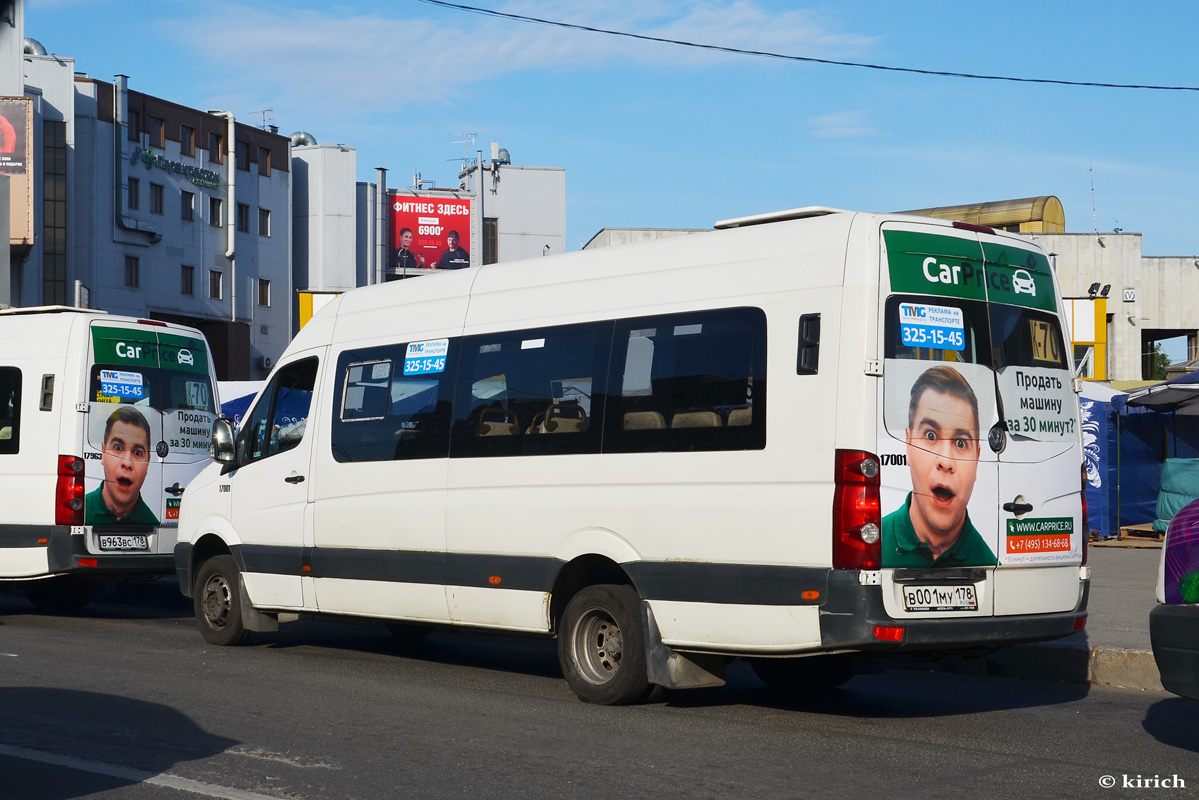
(803, 674)
(217, 600)
(601, 646)
(63, 594)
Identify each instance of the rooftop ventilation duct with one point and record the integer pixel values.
(302, 139)
(32, 47)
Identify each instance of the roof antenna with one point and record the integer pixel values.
(1094, 217)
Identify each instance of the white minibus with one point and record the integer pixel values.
(103, 421)
(797, 438)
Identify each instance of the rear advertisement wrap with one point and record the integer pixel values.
(150, 412)
(931, 264)
(972, 343)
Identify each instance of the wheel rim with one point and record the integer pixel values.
(217, 601)
(598, 645)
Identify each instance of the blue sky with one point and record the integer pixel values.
(655, 135)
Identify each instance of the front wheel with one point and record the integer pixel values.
(217, 600)
(601, 646)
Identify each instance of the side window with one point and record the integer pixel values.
(278, 420)
(531, 392)
(393, 402)
(10, 410)
(692, 381)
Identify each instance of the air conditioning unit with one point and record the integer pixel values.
(266, 362)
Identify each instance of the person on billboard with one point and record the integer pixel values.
(126, 458)
(454, 257)
(404, 257)
(8, 136)
(932, 528)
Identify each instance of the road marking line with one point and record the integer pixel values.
(130, 774)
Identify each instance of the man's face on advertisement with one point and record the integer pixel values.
(126, 461)
(406, 239)
(452, 240)
(942, 454)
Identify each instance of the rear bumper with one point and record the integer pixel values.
(65, 551)
(851, 613)
(1174, 635)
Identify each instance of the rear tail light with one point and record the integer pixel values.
(1086, 523)
(68, 492)
(888, 633)
(857, 520)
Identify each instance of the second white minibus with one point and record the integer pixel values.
(797, 438)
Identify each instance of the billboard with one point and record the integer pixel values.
(16, 150)
(428, 232)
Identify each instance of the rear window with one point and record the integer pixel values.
(949, 329)
(1027, 338)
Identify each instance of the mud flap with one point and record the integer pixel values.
(672, 670)
(251, 618)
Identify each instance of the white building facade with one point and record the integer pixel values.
(144, 207)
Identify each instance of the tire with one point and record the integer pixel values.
(64, 594)
(601, 646)
(801, 675)
(217, 602)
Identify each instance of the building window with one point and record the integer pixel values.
(264, 292)
(158, 132)
(264, 222)
(243, 218)
(135, 193)
(264, 161)
(54, 215)
(156, 202)
(134, 131)
(132, 268)
(188, 205)
(491, 243)
(242, 154)
(214, 212)
(215, 284)
(187, 140)
(215, 154)
(187, 280)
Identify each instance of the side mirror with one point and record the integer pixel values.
(223, 448)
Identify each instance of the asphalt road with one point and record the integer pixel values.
(127, 701)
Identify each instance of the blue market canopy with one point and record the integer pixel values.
(1180, 394)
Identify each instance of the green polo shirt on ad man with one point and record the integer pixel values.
(97, 512)
(901, 548)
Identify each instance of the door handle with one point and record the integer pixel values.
(1017, 507)
(176, 489)
(294, 479)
